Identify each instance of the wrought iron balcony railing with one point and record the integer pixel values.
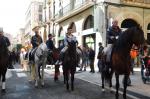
(70, 7)
(137, 1)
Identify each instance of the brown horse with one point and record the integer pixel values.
(120, 57)
(4, 58)
(70, 63)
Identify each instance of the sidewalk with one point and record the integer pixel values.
(137, 86)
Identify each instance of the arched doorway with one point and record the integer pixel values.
(128, 23)
(73, 27)
(89, 40)
(89, 22)
(148, 34)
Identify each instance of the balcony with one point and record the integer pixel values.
(139, 3)
(72, 9)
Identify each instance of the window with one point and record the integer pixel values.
(40, 17)
(40, 8)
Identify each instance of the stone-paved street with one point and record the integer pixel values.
(18, 87)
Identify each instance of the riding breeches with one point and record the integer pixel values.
(107, 52)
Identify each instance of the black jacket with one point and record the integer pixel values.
(112, 33)
(50, 44)
(4, 41)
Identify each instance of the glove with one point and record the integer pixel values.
(117, 37)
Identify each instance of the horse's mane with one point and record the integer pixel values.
(70, 52)
(125, 39)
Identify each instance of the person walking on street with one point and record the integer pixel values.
(100, 56)
(92, 58)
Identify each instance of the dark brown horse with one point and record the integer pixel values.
(69, 64)
(4, 58)
(120, 58)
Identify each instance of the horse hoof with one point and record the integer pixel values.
(55, 79)
(3, 91)
(72, 89)
(42, 84)
(103, 90)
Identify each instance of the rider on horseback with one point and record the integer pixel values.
(49, 42)
(112, 35)
(68, 38)
(51, 47)
(36, 40)
(5, 41)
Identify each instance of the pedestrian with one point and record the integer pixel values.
(92, 58)
(84, 59)
(22, 59)
(99, 57)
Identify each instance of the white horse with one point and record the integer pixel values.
(40, 58)
(40, 61)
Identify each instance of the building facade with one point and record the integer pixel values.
(90, 19)
(78, 15)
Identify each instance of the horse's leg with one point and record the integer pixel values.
(64, 74)
(110, 82)
(0, 78)
(56, 72)
(42, 79)
(102, 77)
(72, 80)
(126, 77)
(3, 80)
(117, 85)
(36, 75)
(67, 79)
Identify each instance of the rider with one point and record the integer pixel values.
(68, 38)
(49, 42)
(112, 35)
(4, 39)
(36, 40)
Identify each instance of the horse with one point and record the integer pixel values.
(120, 61)
(69, 64)
(4, 62)
(40, 58)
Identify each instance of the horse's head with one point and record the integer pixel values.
(72, 46)
(43, 48)
(138, 36)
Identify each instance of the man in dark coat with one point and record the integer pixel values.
(112, 35)
(36, 40)
(4, 41)
(49, 42)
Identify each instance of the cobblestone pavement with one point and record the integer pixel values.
(18, 87)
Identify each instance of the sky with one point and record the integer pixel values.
(12, 15)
